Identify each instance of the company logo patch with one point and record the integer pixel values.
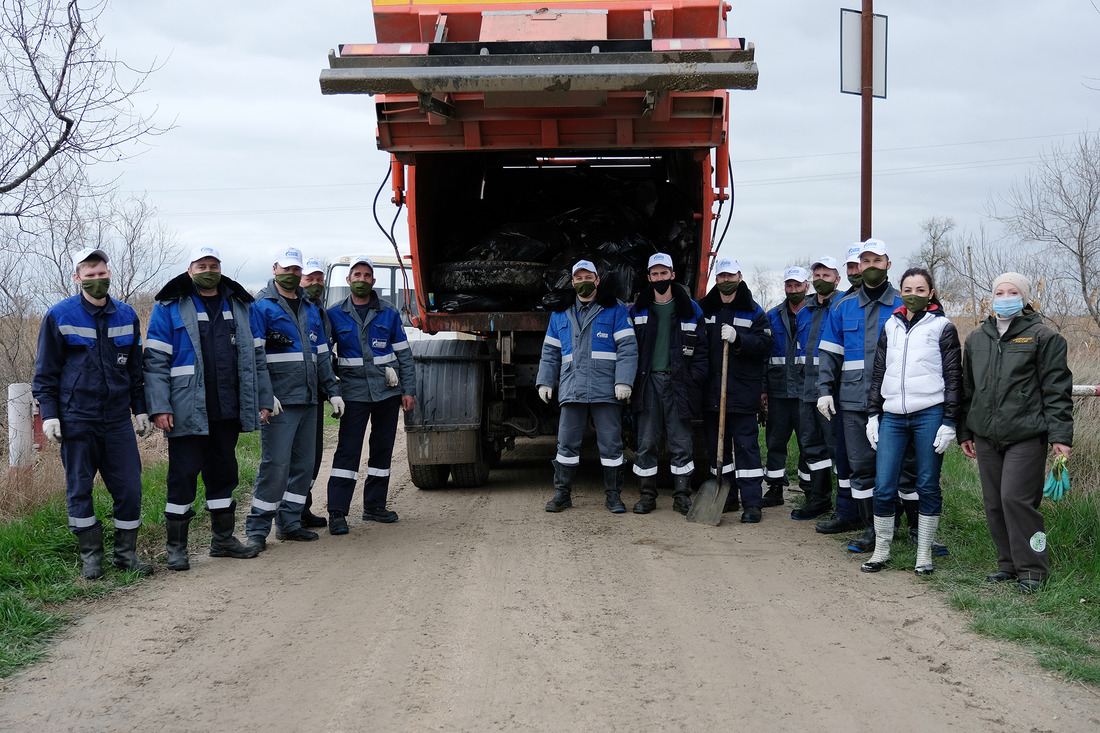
(123, 359)
(378, 343)
(1039, 541)
(1023, 340)
(603, 334)
(313, 336)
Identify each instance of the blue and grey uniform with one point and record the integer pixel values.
(783, 385)
(846, 351)
(744, 385)
(214, 392)
(299, 364)
(367, 339)
(588, 349)
(666, 401)
(818, 434)
(88, 375)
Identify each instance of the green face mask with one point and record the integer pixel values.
(729, 287)
(288, 281)
(824, 288)
(856, 280)
(315, 291)
(206, 280)
(874, 276)
(96, 289)
(361, 288)
(585, 288)
(915, 303)
(796, 298)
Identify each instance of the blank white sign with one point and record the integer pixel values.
(851, 53)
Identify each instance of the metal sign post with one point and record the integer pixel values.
(863, 72)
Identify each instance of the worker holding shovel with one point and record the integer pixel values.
(732, 316)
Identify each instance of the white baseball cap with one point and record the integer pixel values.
(85, 254)
(584, 265)
(289, 257)
(875, 245)
(660, 259)
(314, 265)
(796, 273)
(853, 253)
(727, 265)
(825, 261)
(198, 253)
(361, 260)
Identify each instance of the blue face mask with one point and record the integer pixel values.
(1008, 307)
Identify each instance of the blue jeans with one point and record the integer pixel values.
(895, 434)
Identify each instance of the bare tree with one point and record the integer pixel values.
(1056, 210)
(64, 105)
(939, 254)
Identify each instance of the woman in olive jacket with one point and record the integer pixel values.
(1017, 391)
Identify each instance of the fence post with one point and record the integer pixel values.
(20, 433)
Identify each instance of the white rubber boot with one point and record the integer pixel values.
(926, 532)
(884, 535)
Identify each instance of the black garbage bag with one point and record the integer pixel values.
(468, 302)
(518, 242)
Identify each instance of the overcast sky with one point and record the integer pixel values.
(259, 159)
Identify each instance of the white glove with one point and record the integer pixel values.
(278, 409)
(545, 393)
(729, 333)
(622, 392)
(825, 407)
(391, 377)
(945, 436)
(142, 425)
(52, 429)
(337, 406)
(872, 431)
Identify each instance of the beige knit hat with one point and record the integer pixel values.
(1014, 278)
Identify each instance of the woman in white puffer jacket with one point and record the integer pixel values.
(914, 400)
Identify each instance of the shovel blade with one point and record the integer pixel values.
(709, 502)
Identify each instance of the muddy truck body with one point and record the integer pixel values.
(524, 137)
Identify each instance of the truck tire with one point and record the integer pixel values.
(507, 277)
(472, 475)
(429, 476)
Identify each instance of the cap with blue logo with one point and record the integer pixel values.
(584, 265)
(312, 265)
(825, 261)
(199, 253)
(289, 257)
(660, 259)
(361, 260)
(731, 267)
(797, 274)
(875, 246)
(853, 253)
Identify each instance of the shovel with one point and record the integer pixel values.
(711, 498)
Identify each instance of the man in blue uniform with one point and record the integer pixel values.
(87, 380)
(591, 353)
(667, 393)
(299, 365)
(730, 314)
(846, 351)
(783, 387)
(206, 382)
(370, 343)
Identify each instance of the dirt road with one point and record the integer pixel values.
(480, 611)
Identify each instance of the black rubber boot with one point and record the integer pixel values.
(222, 541)
(773, 496)
(838, 525)
(613, 487)
(177, 543)
(563, 483)
(866, 541)
(818, 497)
(647, 489)
(126, 552)
(90, 542)
(681, 493)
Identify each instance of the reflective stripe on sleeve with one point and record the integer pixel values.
(350, 361)
(620, 335)
(159, 345)
(385, 358)
(830, 347)
(552, 342)
(182, 371)
(288, 357)
(606, 355)
(853, 364)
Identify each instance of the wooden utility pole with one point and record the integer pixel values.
(867, 84)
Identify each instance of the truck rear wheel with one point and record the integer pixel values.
(429, 476)
(472, 475)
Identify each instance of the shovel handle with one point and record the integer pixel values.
(722, 407)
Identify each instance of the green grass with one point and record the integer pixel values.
(40, 564)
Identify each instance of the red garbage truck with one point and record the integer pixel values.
(524, 137)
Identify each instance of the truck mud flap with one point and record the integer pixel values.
(444, 426)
